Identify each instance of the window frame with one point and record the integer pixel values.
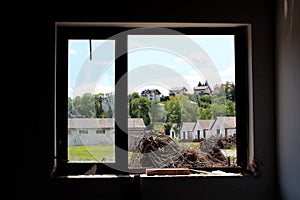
(72, 30)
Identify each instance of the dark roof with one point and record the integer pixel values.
(201, 87)
(150, 91)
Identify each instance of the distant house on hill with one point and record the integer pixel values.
(151, 94)
(177, 90)
(202, 90)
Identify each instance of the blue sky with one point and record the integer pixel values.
(153, 62)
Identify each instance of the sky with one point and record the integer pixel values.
(154, 62)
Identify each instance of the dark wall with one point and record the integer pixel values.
(288, 97)
(34, 32)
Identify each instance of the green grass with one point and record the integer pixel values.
(102, 153)
(91, 153)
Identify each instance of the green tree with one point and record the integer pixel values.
(229, 91)
(192, 97)
(218, 110)
(70, 106)
(98, 98)
(204, 103)
(157, 112)
(205, 113)
(173, 110)
(139, 107)
(189, 109)
(230, 108)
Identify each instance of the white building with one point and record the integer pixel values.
(177, 90)
(187, 131)
(151, 94)
(224, 126)
(202, 90)
(101, 131)
(203, 128)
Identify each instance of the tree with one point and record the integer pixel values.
(88, 106)
(157, 112)
(230, 108)
(173, 109)
(189, 109)
(230, 91)
(98, 106)
(205, 113)
(139, 107)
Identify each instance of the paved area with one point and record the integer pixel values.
(229, 152)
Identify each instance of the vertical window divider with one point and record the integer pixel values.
(121, 103)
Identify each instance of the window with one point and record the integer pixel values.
(83, 131)
(102, 73)
(99, 131)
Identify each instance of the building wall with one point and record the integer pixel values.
(288, 97)
(91, 138)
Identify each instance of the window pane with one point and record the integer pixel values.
(181, 92)
(91, 80)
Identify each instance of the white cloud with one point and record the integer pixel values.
(91, 87)
(228, 74)
(72, 52)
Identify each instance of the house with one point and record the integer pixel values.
(216, 89)
(100, 131)
(136, 129)
(187, 131)
(177, 90)
(174, 131)
(151, 94)
(202, 90)
(192, 130)
(203, 128)
(224, 126)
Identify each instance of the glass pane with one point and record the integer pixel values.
(91, 97)
(181, 91)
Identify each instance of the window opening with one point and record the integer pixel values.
(137, 93)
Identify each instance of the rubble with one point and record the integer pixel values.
(161, 151)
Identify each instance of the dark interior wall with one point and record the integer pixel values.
(35, 30)
(288, 96)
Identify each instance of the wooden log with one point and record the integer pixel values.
(168, 171)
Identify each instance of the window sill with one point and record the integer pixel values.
(216, 173)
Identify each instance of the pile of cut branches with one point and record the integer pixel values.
(161, 151)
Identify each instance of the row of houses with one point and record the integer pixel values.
(221, 127)
(101, 131)
(154, 94)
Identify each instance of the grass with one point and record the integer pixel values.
(102, 153)
(91, 153)
(191, 144)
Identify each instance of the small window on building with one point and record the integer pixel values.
(100, 131)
